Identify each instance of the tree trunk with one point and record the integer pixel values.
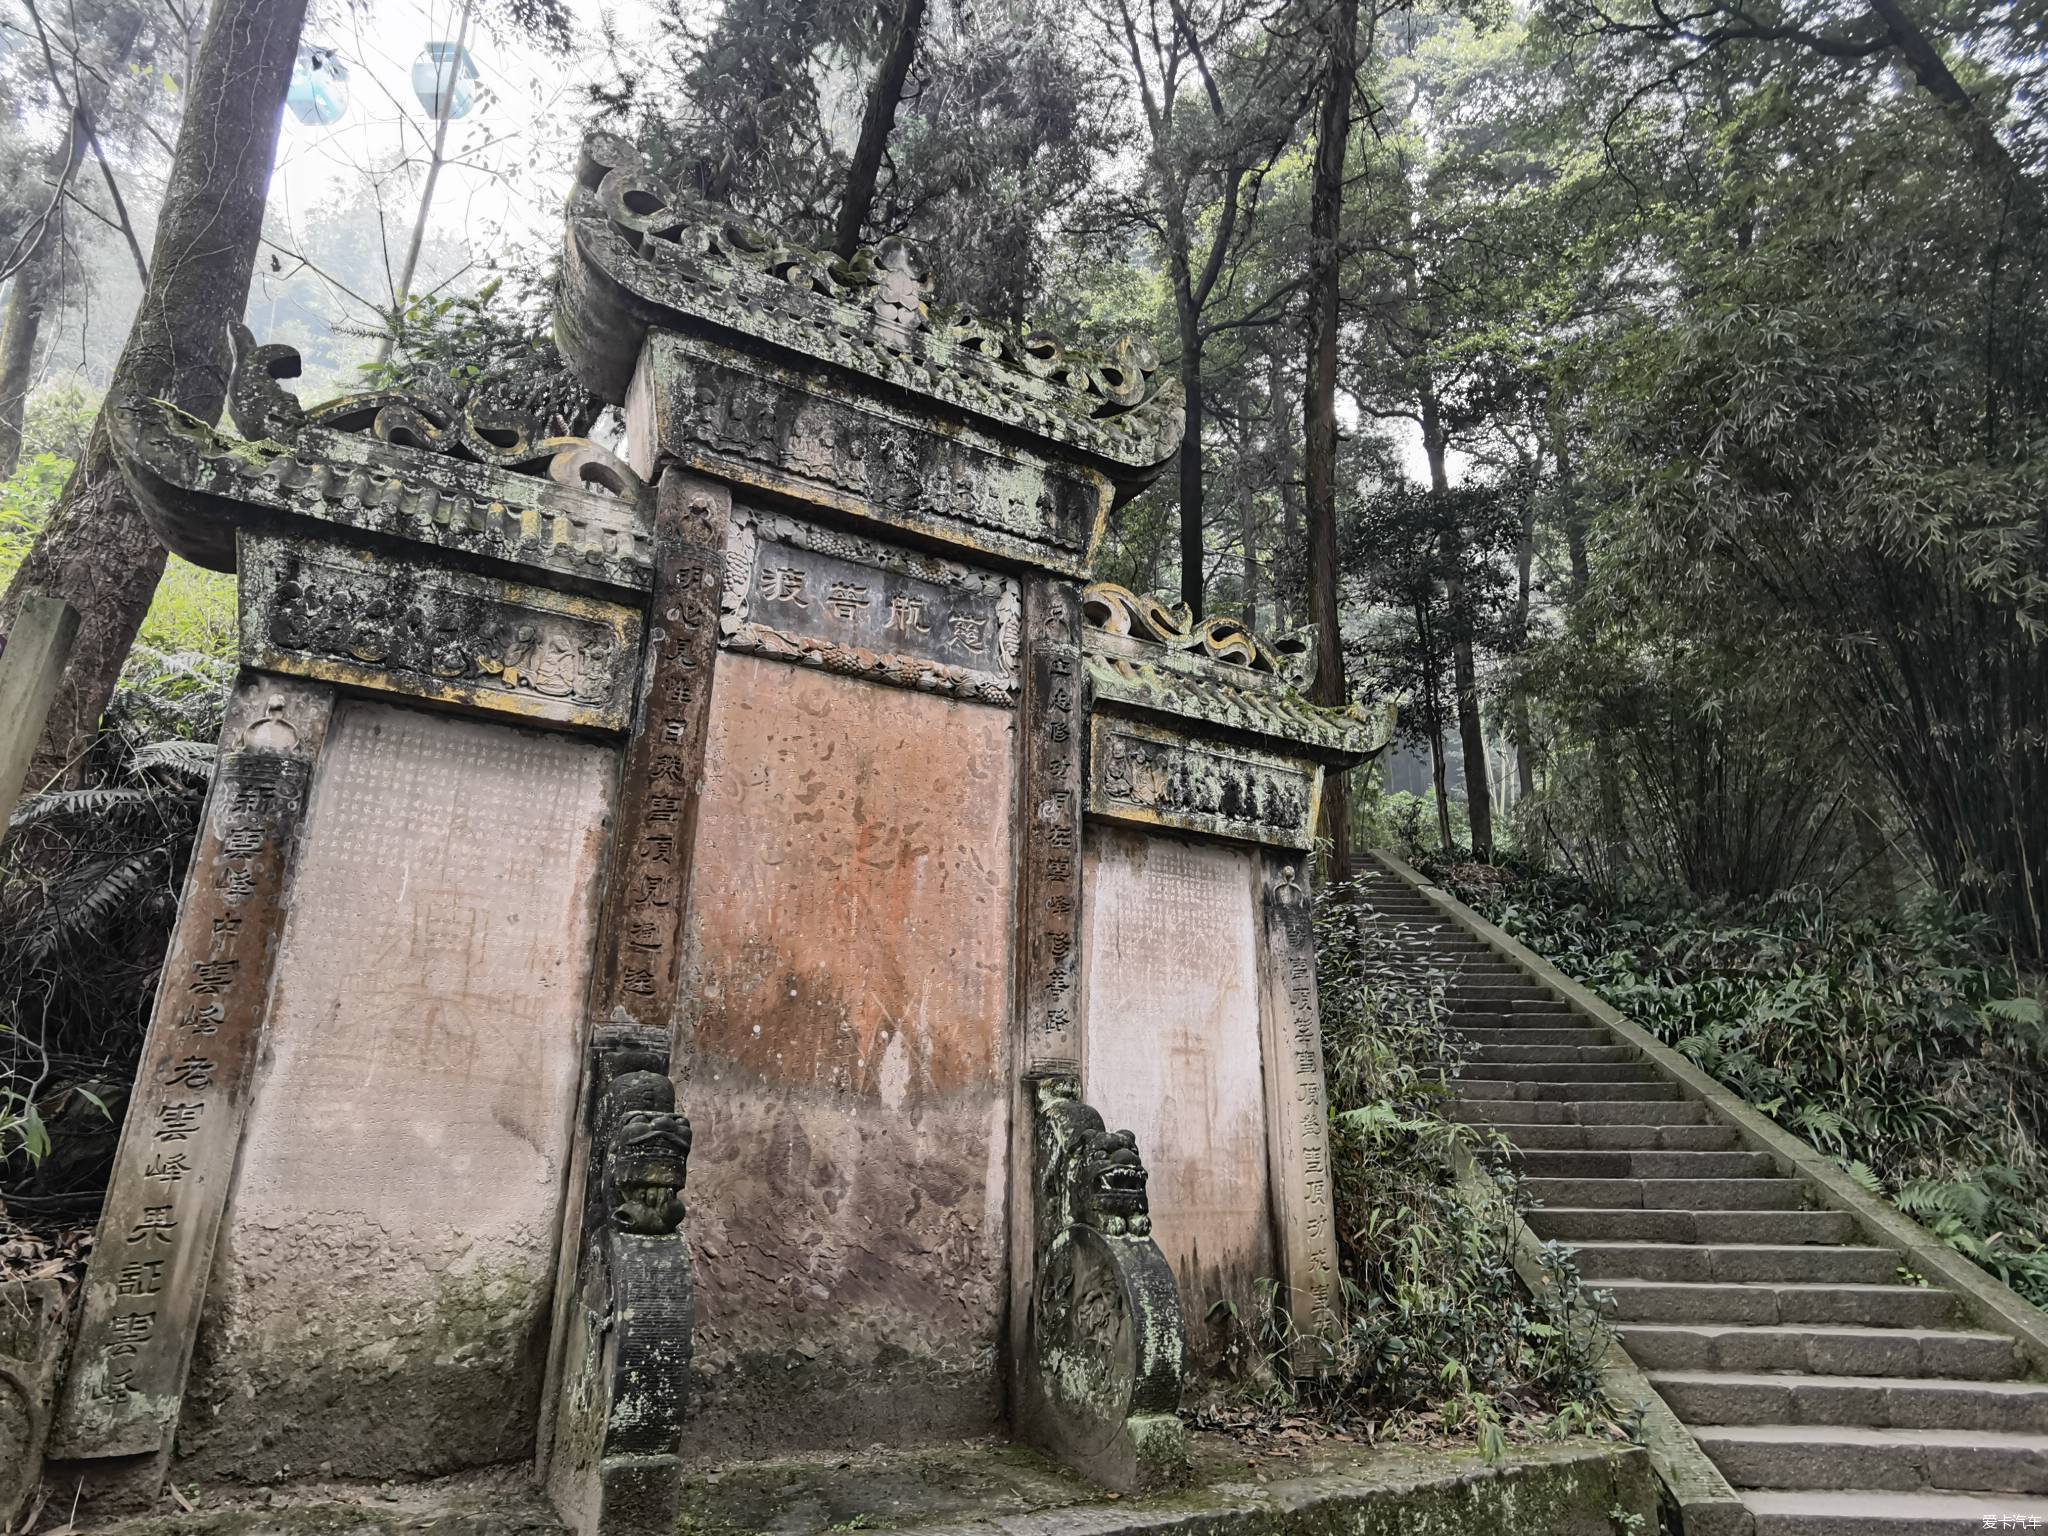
(1193, 553)
(1248, 530)
(97, 552)
(1568, 500)
(35, 285)
(1525, 561)
(1289, 609)
(1465, 671)
(1319, 396)
(875, 124)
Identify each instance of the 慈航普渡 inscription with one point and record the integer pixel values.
(804, 593)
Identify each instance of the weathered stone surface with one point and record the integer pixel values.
(1107, 1341)
(33, 1341)
(379, 1302)
(622, 1393)
(199, 486)
(370, 620)
(1154, 777)
(798, 434)
(847, 1064)
(854, 605)
(1297, 1106)
(153, 1253)
(640, 256)
(1171, 1052)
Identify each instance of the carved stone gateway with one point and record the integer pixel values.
(768, 810)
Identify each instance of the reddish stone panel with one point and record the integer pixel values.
(850, 931)
(1170, 1050)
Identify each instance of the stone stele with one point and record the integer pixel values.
(772, 791)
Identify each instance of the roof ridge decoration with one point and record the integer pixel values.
(1117, 610)
(642, 253)
(1154, 659)
(264, 410)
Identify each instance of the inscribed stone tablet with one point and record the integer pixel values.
(381, 1296)
(851, 928)
(1170, 1050)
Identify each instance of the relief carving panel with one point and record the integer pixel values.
(1156, 777)
(755, 424)
(352, 616)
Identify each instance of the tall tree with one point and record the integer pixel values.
(81, 77)
(1221, 91)
(884, 96)
(97, 552)
(1339, 24)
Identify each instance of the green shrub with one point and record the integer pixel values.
(1439, 1326)
(1905, 1049)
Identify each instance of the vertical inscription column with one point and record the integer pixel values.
(612, 1431)
(1297, 1111)
(155, 1242)
(638, 966)
(1049, 884)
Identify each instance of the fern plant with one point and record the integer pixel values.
(89, 880)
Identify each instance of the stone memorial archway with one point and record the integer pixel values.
(772, 799)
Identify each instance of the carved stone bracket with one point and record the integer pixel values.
(1105, 1335)
(623, 1395)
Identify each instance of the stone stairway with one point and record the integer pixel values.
(1835, 1393)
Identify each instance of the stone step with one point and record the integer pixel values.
(1620, 1138)
(1494, 1088)
(1519, 1053)
(1527, 1008)
(1884, 1402)
(1536, 1036)
(1671, 1194)
(1503, 992)
(1895, 1460)
(1563, 1071)
(1737, 1263)
(1572, 1224)
(1468, 1020)
(1608, 1164)
(1865, 1512)
(1768, 1303)
(1821, 1350)
(1509, 1112)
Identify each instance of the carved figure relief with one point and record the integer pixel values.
(646, 1154)
(774, 422)
(1107, 1337)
